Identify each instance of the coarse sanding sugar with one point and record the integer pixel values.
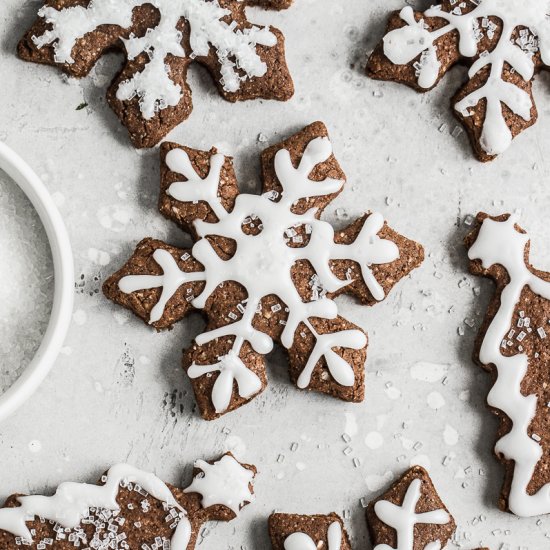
(26, 281)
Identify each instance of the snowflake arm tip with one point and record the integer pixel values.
(338, 367)
(170, 281)
(367, 249)
(404, 517)
(196, 188)
(231, 369)
(296, 182)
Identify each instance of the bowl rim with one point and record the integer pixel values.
(35, 372)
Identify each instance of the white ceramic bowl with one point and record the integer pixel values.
(33, 375)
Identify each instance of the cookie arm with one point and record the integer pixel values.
(492, 126)
(87, 49)
(224, 378)
(393, 64)
(158, 283)
(296, 145)
(338, 371)
(291, 531)
(368, 277)
(146, 132)
(409, 514)
(195, 185)
(270, 4)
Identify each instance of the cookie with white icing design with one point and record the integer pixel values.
(300, 532)
(160, 39)
(513, 346)
(129, 509)
(264, 269)
(410, 515)
(503, 42)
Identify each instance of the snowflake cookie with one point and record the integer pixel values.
(504, 42)
(129, 510)
(513, 347)
(409, 516)
(295, 532)
(264, 268)
(160, 39)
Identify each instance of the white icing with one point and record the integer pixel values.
(72, 502)
(226, 482)
(403, 45)
(403, 518)
(499, 243)
(231, 369)
(262, 265)
(235, 48)
(301, 541)
(171, 279)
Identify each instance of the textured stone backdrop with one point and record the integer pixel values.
(117, 392)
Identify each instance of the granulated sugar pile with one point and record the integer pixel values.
(26, 281)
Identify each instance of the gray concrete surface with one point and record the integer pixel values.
(117, 392)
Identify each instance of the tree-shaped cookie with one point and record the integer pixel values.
(129, 510)
(160, 39)
(409, 516)
(504, 42)
(513, 347)
(264, 268)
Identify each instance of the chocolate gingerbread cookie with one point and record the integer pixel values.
(410, 515)
(264, 268)
(504, 44)
(160, 39)
(513, 346)
(295, 532)
(128, 510)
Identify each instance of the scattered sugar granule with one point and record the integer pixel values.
(26, 281)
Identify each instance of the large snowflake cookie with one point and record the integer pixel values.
(505, 43)
(409, 516)
(160, 39)
(129, 510)
(264, 268)
(513, 346)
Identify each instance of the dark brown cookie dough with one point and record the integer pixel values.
(488, 34)
(141, 522)
(429, 500)
(275, 84)
(142, 302)
(226, 303)
(282, 526)
(526, 335)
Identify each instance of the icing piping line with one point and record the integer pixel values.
(500, 243)
(302, 541)
(262, 265)
(155, 87)
(403, 518)
(72, 501)
(402, 45)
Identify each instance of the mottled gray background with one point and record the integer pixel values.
(117, 392)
